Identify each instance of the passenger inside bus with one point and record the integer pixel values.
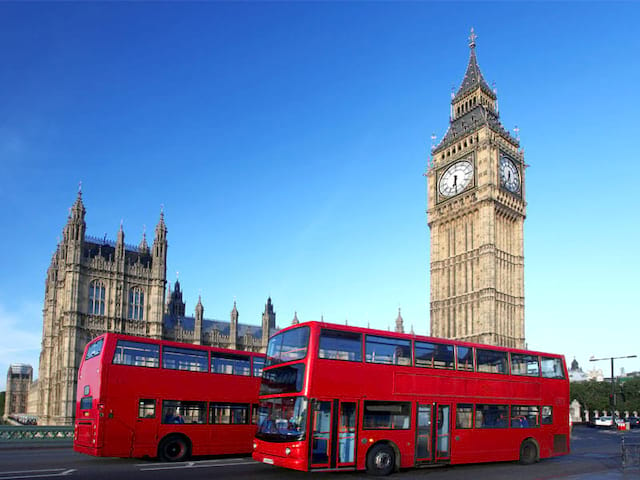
(171, 417)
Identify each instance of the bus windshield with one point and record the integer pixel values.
(282, 419)
(94, 349)
(288, 346)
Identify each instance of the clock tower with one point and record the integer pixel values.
(476, 211)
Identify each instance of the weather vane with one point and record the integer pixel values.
(472, 39)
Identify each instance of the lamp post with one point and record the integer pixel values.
(613, 384)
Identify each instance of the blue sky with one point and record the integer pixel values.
(287, 143)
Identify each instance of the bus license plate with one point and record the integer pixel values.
(268, 460)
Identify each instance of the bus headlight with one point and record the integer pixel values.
(255, 445)
(287, 450)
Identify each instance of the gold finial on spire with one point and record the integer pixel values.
(472, 39)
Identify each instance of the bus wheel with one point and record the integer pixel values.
(528, 452)
(174, 448)
(380, 460)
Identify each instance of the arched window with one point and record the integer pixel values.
(96, 298)
(136, 304)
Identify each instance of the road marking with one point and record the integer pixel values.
(218, 460)
(215, 463)
(58, 472)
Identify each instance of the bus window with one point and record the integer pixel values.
(176, 411)
(137, 354)
(552, 367)
(228, 414)
(386, 415)
(286, 379)
(525, 365)
(547, 415)
(258, 365)
(433, 355)
(288, 346)
(491, 361)
(337, 345)
(523, 416)
(230, 364)
(147, 408)
(94, 349)
(492, 416)
(465, 358)
(464, 415)
(390, 351)
(184, 359)
(86, 403)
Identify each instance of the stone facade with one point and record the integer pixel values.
(94, 286)
(476, 212)
(19, 378)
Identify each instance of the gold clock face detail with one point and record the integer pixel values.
(509, 175)
(455, 178)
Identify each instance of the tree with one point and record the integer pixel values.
(594, 395)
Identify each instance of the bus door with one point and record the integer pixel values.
(433, 429)
(333, 434)
(146, 426)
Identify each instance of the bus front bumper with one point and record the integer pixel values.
(276, 454)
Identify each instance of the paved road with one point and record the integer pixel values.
(595, 456)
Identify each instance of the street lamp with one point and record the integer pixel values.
(613, 386)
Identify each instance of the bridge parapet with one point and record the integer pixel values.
(9, 433)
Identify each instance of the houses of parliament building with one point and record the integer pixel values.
(94, 286)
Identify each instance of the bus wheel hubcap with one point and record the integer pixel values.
(383, 460)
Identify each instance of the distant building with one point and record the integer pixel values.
(95, 285)
(595, 374)
(19, 378)
(576, 374)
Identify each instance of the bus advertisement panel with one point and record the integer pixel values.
(335, 397)
(140, 397)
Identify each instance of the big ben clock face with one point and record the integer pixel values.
(455, 178)
(509, 175)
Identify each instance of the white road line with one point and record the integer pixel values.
(221, 460)
(193, 465)
(36, 474)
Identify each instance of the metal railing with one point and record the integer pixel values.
(630, 454)
(9, 433)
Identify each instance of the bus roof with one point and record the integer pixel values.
(409, 336)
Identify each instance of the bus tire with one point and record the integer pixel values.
(174, 448)
(381, 460)
(528, 452)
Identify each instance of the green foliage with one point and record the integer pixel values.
(594, 395)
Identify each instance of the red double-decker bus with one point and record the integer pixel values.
(335, 397)
(140, 397)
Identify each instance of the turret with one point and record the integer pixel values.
(159, 250)
(74, 230)
(159, 278)
(120, 248)
(268, 322)
(143, 248)
(399, 323)
(197, 329)
(233, 327)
